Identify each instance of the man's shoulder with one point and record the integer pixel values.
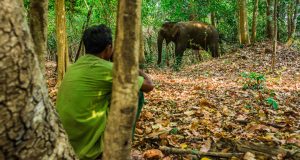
(94, 61)
(103, 64)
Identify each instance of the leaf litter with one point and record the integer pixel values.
(204, 105)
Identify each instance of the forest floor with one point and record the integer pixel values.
(232, 104)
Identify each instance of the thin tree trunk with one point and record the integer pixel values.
(280, 9)
(85, 25)
(254, 23)
(62, 45)
(118, 133)
(294, 22)
(243, 22)
(213, 19)
(269, 28)
(238, 26)
(142, 47)
(275, 35)
(72, 6)
(289, 19)
(38, 13)
(29, 128)
(86, 4)
(212, 16)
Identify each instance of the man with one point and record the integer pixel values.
(85, 93)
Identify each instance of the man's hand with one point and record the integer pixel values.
(147, 85)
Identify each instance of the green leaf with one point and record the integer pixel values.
(174, 131)
(248, 106)
(272, 102)
(261, 77)
(272, 93)
(245, 86)
(244, 74)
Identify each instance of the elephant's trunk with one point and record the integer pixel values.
(160, 39)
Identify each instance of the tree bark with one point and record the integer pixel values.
(294, 21)
(254, 22)
(38, 13)
(213, 19)
(61, 40)
(289, 19)
(72, 6)
(118, 133)
(29, 128)
(243, 22)
(141, 49)
(269, 28)
(275, 35)
(85, 25)
(237, 13)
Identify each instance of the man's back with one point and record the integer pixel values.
(82, 104)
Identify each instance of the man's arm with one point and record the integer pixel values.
(147, 85)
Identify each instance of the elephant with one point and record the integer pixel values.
(192, 35)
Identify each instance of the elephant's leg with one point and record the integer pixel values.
(159, 58)
(167, 54)
(214, 50)
(179, 54)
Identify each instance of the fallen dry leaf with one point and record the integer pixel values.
(153, 154)
(206, 146)
(249, 156)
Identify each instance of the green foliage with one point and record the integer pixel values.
(174, 131)
(248, 106)
(155, 12)
(253, 81)
(272, 102)
(76, 16)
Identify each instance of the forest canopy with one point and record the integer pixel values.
(156, 12)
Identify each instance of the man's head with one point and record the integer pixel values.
(98, 40)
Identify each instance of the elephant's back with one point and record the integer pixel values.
(194, 27)
(200, 29)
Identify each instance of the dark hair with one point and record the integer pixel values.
(96, 38)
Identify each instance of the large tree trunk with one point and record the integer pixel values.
(269, 26)
(118, 133)
(29, 128)
(61, 40)
(253, 35)
(243, 19)
(275, 36)
(38, 27)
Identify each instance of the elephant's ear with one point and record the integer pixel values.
(175, 31)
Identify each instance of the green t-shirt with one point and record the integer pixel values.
(82, 103)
